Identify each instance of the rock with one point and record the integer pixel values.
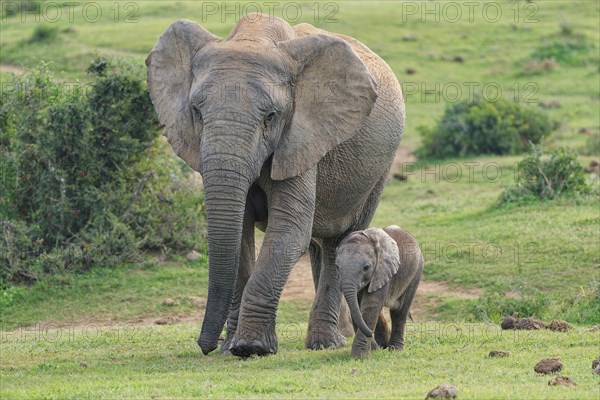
(559, 326)
(561, 381)
(529, 324)
(197, 302)
(411, 71)
(509, 322)
(548, 366)
(170, 302)
(442, 392)
(499, 353)
(192, 255)
(597, 369)
(596, 364)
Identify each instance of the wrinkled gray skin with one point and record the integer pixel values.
(293, 130)
(379, 267)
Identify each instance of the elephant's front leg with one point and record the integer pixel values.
(370, 307)
(247, 261)
(291, 211)
(323, 330)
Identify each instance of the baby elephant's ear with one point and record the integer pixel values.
(388, 258)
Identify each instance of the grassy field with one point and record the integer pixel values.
(541, 258)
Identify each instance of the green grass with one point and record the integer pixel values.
(550, 258)
(163, 362)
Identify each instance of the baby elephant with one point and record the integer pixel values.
(379, 267)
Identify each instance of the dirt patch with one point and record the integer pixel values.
(559, 326)
(548, 366)
(499, 353)
(561, 381)
(404, 155)
(15, 69)
(442, 392)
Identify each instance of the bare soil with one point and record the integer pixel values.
(15, 69)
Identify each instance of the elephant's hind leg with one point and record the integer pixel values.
(382, 332)
(400, 315)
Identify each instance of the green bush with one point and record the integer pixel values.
(492, 306)
(85, 179)
(592, 145)
(548, 176)
(567, 49)
(482, 127)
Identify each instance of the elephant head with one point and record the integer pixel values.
(366, 260)
(262, 97)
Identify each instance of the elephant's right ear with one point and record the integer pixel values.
(169, 75)
(388, 257)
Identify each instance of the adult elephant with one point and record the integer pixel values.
(293, 130)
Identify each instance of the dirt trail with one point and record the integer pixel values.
(300, 285)
(15, 69)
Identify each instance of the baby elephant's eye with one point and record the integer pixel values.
(366, 268)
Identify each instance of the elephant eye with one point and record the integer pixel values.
(270, 116)
(366, 267)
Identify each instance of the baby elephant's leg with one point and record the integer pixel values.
(382, 332)
(400, 314)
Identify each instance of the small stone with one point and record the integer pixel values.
(499, 353)
(596, 364)
(559, 326)
(442, 392)
(192, 255)
(170, 302)
(561, 381)
(548, 366)
(597, 369)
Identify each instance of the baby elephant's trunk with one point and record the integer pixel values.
(350, 293)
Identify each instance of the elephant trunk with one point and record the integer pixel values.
(351, 294)
(225, 198)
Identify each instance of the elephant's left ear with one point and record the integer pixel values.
(334, 95)
(388, 258)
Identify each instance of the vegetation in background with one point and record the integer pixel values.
(483, 127)
(547, 176)
(86, 181)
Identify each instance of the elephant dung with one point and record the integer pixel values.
(559, 326)
(442, 392)
(530, 324)
(596, 365)
(561, 381)
(499, 353)
(548, 366)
